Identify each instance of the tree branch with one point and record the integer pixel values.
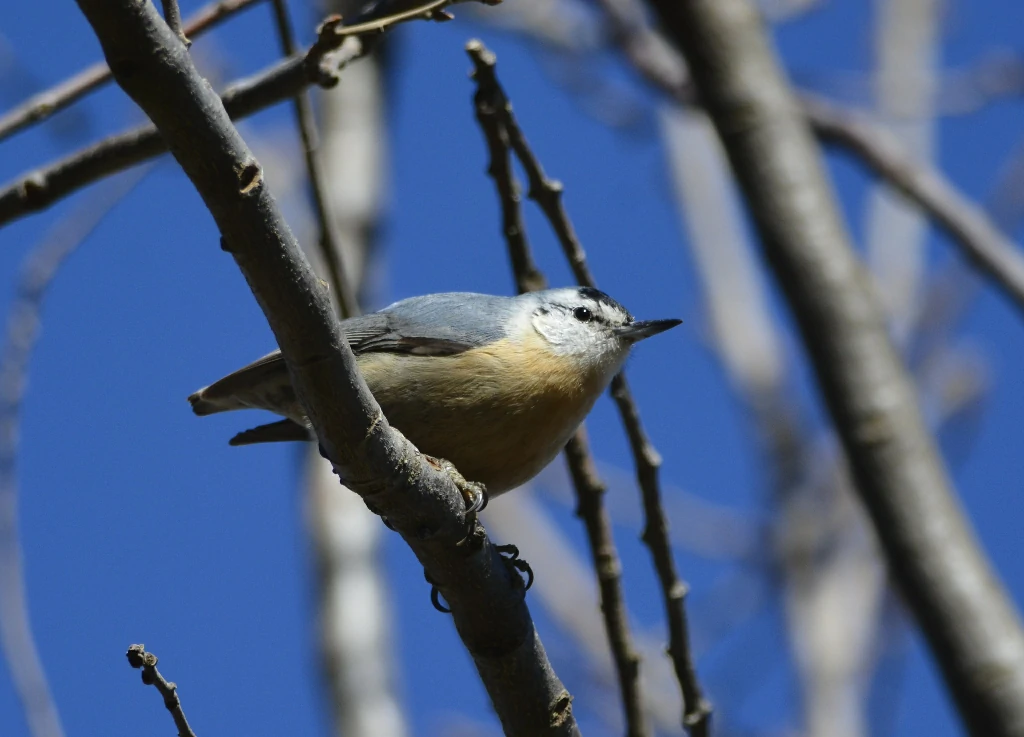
(43, 105)
(421, 501)
(139, 658)
(964, 222)
(172, 16)
(330, 248)
(959, 603)
(285, 79)
(38, 270)
(548, 196)
(490, 104)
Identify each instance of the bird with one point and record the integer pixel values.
(494, 385)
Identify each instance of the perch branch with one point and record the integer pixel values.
(548, 196)
(420, 499)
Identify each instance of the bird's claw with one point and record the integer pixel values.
(435, 594)
(473, 493)
(513, 561)
(516, 563)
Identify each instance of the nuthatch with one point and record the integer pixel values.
(495, 385)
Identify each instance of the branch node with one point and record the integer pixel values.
(250, 177)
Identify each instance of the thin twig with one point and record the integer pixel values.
(37, 273)
(590, 507)
(41, 106)
(548, 196)
(320, 64)
(172, 16)
(421, 500)
(139, 658)
(962, 220)
(329, 240)
(489, 103)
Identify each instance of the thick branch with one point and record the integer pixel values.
(41, 106)
(421, 500)
(548, 196)
(962, 608)
(490, 105)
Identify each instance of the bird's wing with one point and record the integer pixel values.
(436, 325)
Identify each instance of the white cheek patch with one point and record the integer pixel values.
(562, 337)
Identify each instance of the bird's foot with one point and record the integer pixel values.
(516, 564)
(435, 594)
(474, 494)
(513, 561)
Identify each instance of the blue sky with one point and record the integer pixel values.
(139, 523)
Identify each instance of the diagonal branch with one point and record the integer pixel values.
(981, 241)
(489, 102)
(421, 500)
(548, 195)
(41, 106)
(968, 620)
(965, 222)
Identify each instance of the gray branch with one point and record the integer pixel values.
(376, 461)
(967, 619)
(146, 662)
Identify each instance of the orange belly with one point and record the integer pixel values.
(499, 413)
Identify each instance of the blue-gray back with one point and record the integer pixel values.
(444, 323)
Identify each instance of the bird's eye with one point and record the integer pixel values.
(583, 314)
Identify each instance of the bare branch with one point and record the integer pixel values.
(979, 239)
(420, 500)
(139, 658)
(319, 65)
(356, 626)
(904, 81)
(983, 244)
(41, 106)
(491, 106)
(590, 491)
(172, 15)
(968, 620)
(330, 248)
(548, 196)
(38, 271)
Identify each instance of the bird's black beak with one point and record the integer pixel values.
(637, 331)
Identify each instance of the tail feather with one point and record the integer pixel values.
(202, 406)
(274, 432)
